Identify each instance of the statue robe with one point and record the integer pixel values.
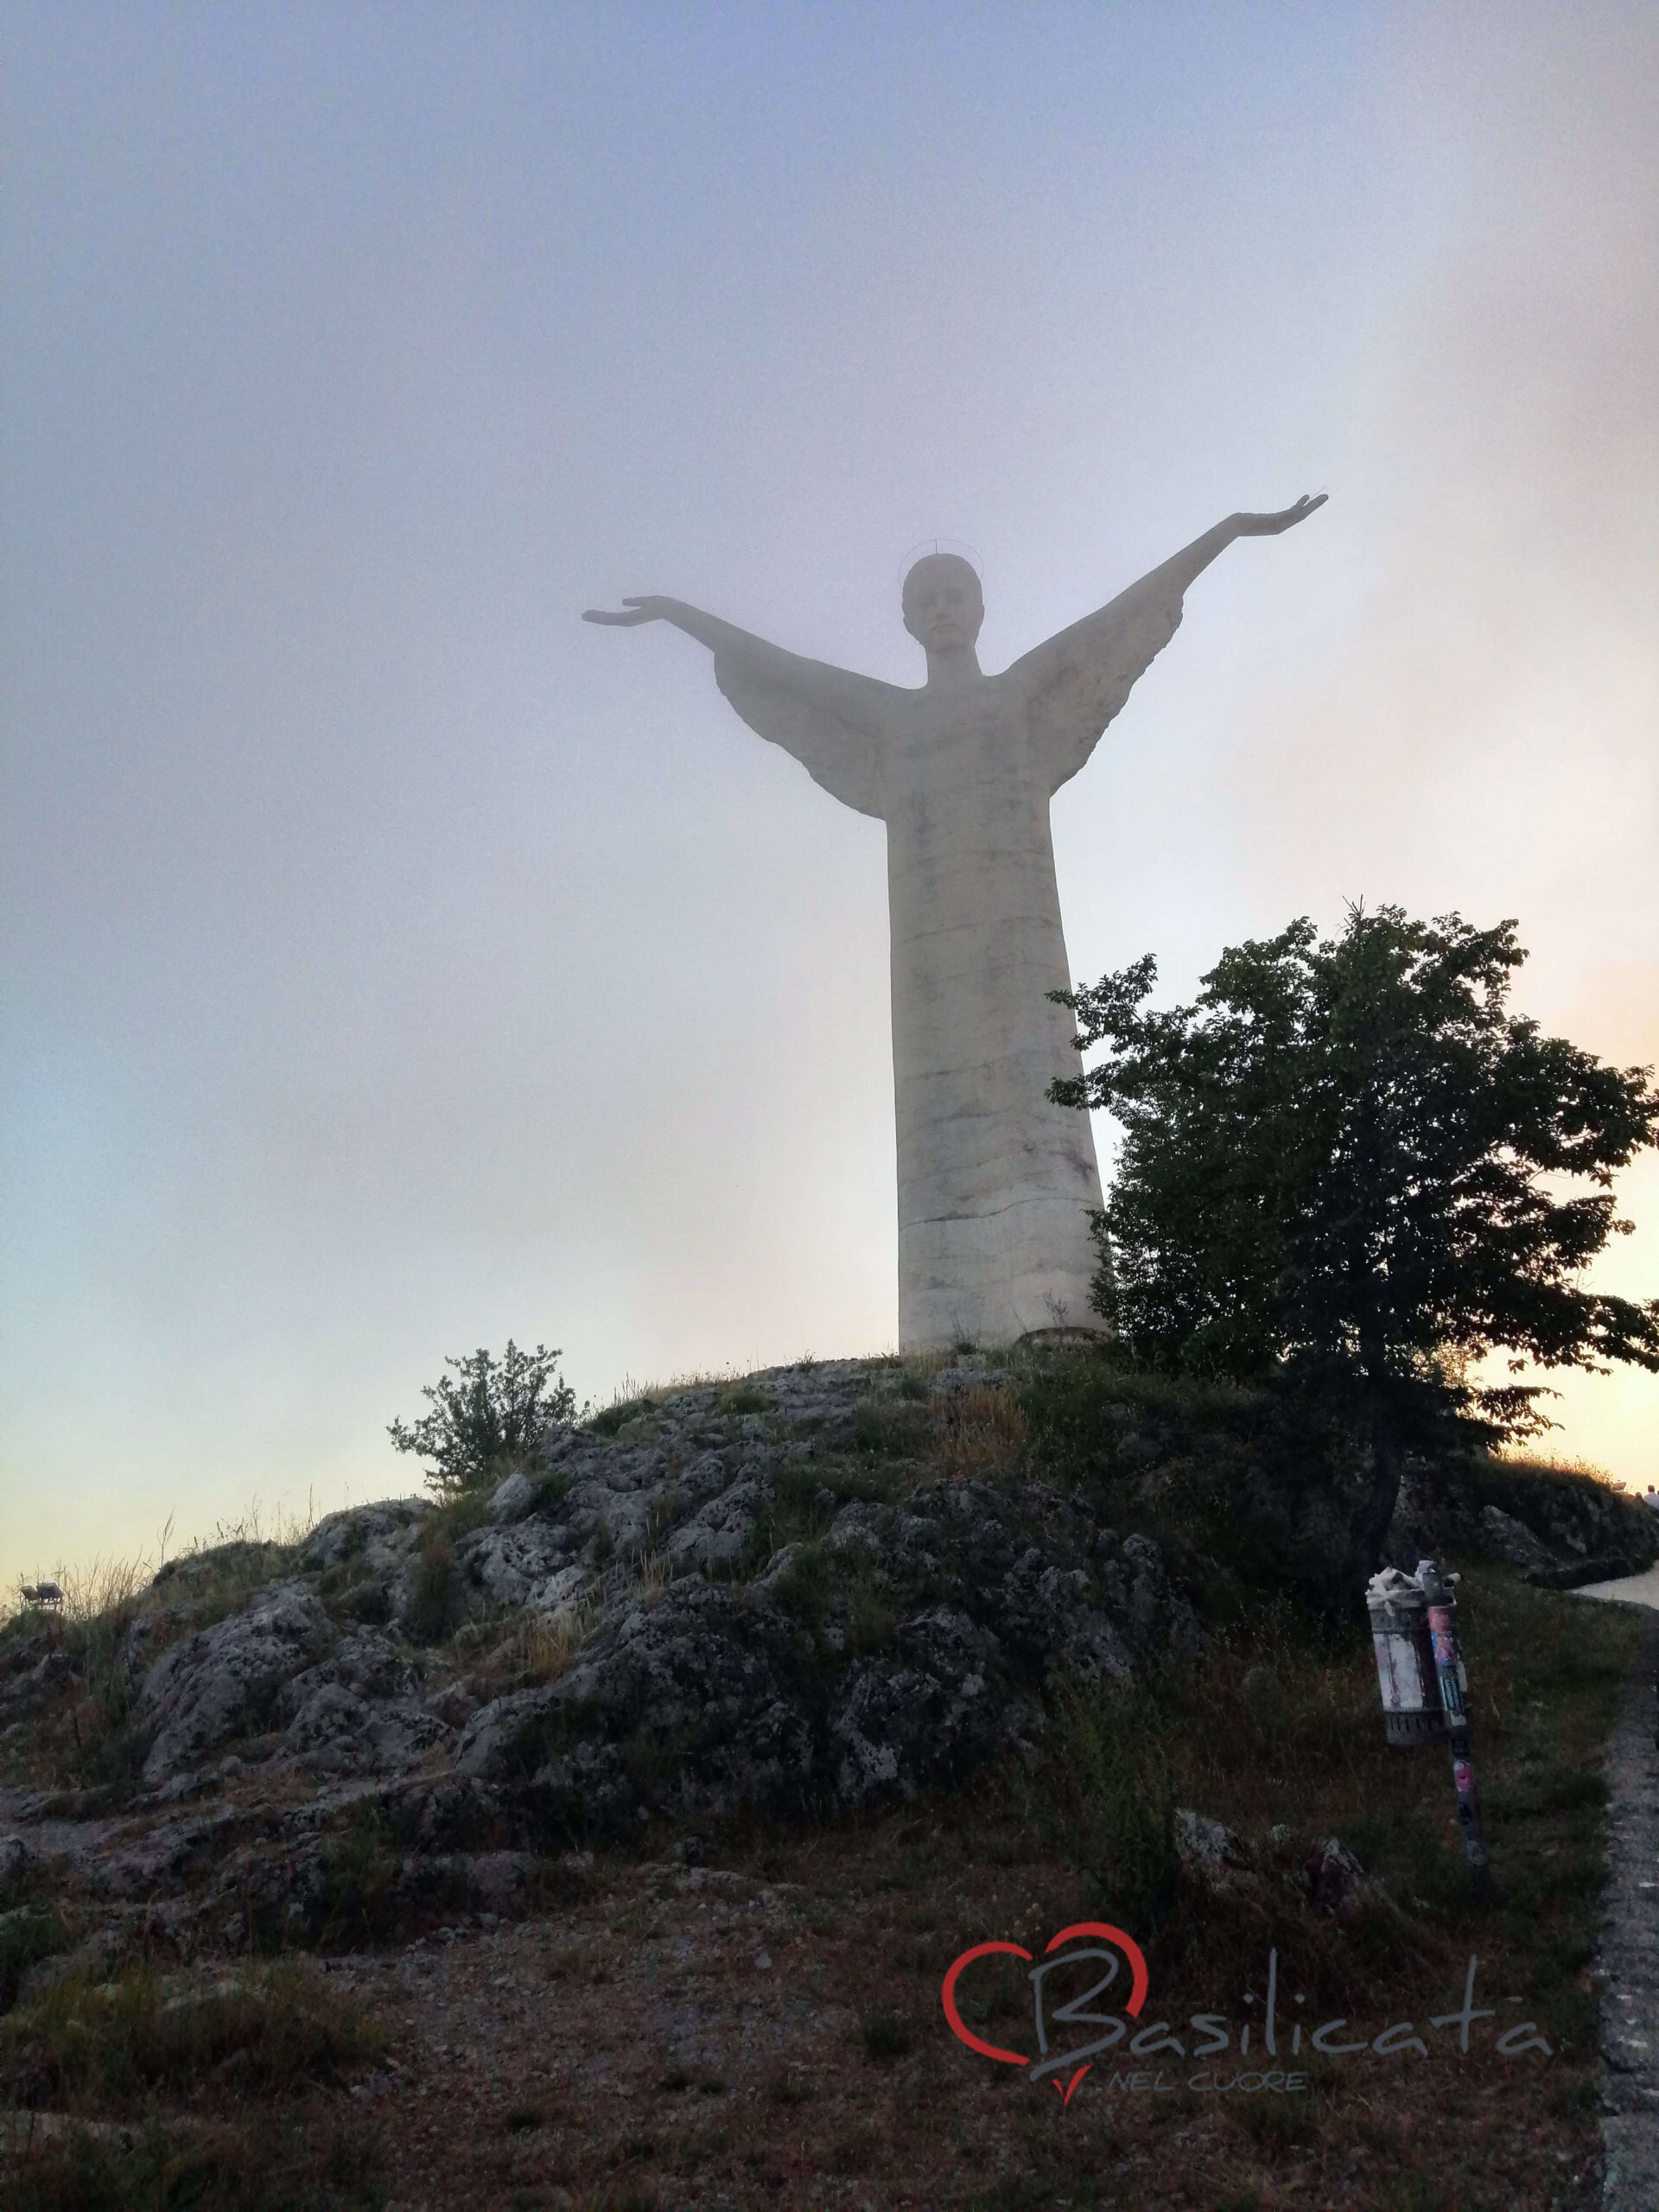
(995, 1183)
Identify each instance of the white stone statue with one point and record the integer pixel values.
(996, 1184)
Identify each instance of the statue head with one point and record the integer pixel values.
(943, 606)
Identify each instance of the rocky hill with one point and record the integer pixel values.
(818, 1590)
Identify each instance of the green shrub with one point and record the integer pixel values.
(610, 1418)
(745, 1398)
(1346, 1158)
(490, 1422)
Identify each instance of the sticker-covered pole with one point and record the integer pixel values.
(1439, 1590)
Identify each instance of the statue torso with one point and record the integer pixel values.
(966, 813)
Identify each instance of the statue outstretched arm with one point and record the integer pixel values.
(853, 699)
(828, 718)
(1193, 560)
(1078, 680)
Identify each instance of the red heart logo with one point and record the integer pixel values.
(1127, 1944)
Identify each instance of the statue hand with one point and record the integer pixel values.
(1270, 525)
(639, 610)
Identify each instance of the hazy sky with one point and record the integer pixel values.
(390, 964)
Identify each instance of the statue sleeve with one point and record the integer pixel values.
(1077, 682)
(828, 719)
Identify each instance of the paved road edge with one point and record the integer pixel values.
(1630, 1948)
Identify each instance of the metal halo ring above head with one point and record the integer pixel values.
(925, 546)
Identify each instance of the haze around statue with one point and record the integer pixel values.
(996, 1185)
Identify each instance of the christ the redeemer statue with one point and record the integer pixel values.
(995, 1183)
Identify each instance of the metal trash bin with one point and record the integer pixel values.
(1413, 1712)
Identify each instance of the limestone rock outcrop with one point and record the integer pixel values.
(815, 1592)
(1561, 1530)
(227, 1682)
(779, 1594)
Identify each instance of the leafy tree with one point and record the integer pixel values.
(483, 1426)
(1344, 1167)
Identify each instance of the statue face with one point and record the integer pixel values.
(943, 605)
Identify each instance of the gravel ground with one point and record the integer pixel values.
(1630, 1948)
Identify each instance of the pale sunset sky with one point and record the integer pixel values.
(390, 964)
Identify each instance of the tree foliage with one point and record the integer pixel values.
(1348, 1159)
(486, 1423)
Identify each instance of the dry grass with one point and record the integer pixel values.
(630, 1395)
(285, 1528)
(926, 1366)
(1561, 1467)
(536, 1648)
(977, 1432)
(74, 1732)
(1553, 1463)
(105, 1584)
(105, 1589)
(83, 1734)
(629, 1392)
(105, 2048)
(539, 1647)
